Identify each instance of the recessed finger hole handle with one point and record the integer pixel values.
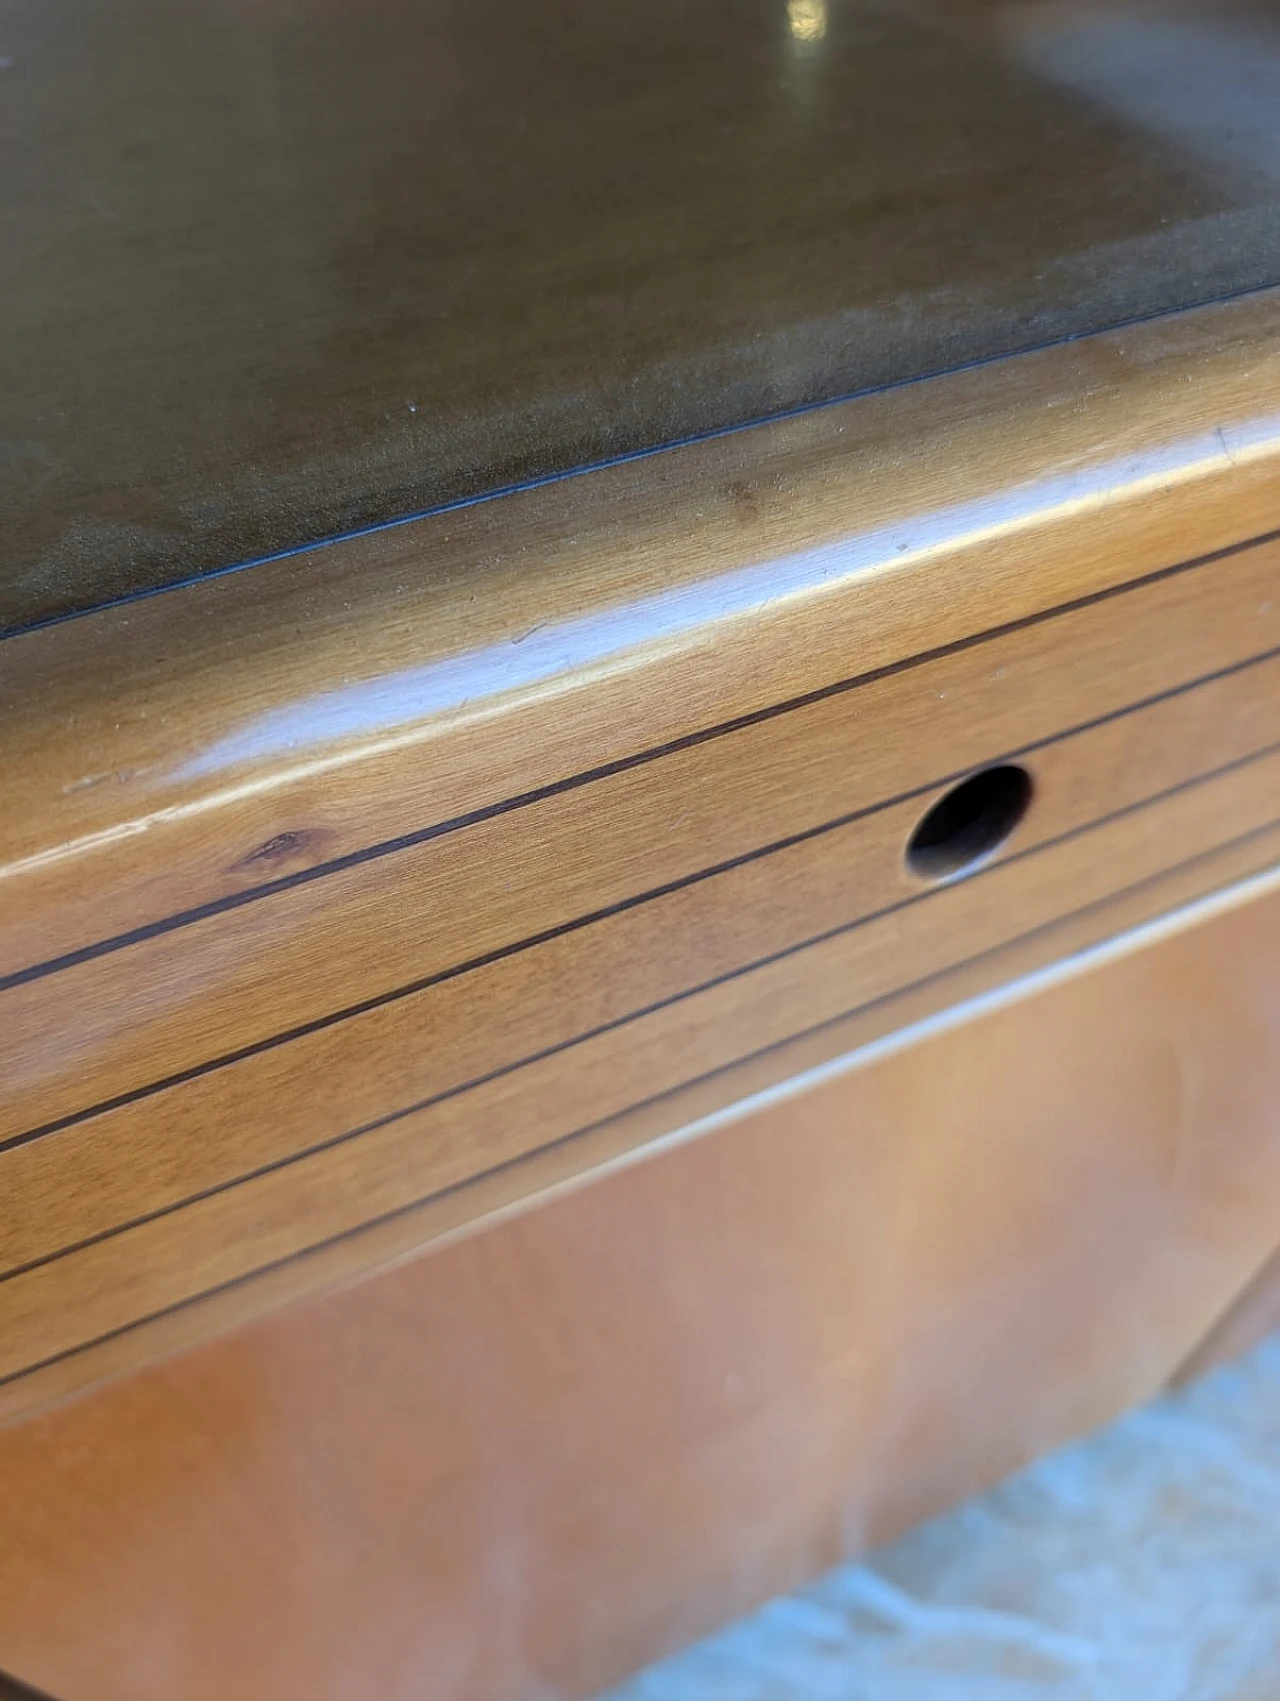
(968, 822)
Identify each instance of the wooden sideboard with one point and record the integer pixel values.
(641, 810)
(299, 980)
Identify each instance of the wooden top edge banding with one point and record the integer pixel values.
(129, 1020)
(283, 717)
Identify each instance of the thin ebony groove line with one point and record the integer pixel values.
(530, 942)
(406, 841)
(648, 452)
(924, 981)
(618, 1022)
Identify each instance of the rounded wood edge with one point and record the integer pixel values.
(272, 721)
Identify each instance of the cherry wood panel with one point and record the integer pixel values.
(484, 948)
(548, 850)
(285, 1201)
(531, 1461)
(463, 1028)
(1185, 896)
(596, 980)
(116, 1022)
(272, 722)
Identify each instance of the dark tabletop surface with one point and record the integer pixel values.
(274, 270)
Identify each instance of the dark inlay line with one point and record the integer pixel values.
(578, 1133)
(646, 453)
(529, 942)
(619, 1022)
(623, 764)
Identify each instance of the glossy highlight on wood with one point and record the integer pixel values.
(272, 724)
(273, 1050)
(686, 992)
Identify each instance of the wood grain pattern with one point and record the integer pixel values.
(120, 1021)
(549, 850)
(285, 1201)
(543, 1455)
(268, 723)
(1186, 896)
(347, 1025)
(464, 1028)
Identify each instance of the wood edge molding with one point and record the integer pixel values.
(605, 864)
(280, 719)
(1133, 920)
